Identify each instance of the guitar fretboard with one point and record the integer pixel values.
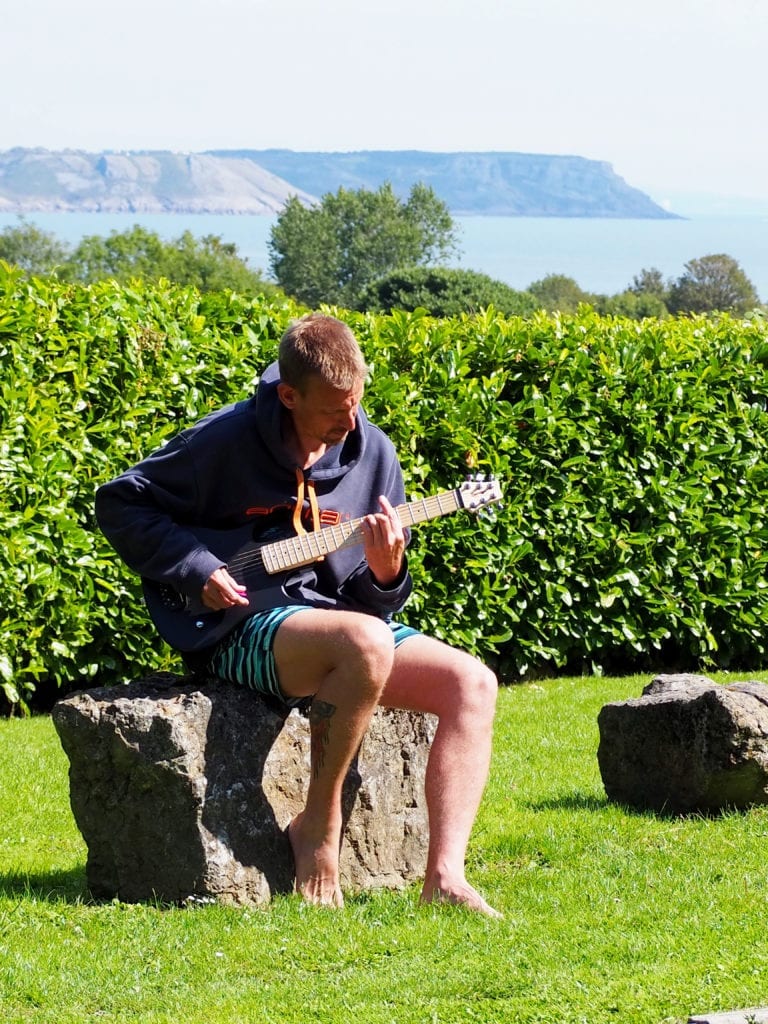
(293, 552)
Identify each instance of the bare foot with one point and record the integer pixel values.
(459, 895)
(317, 867)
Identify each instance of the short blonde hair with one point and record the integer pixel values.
(321, 346)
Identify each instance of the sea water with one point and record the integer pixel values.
(601, 255)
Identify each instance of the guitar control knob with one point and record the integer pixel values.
(199, 624)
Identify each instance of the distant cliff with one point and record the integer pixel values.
(260, 181)
(37, 180)
(500, 184)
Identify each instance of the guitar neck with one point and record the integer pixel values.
(292, 552)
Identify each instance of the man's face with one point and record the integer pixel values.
(322, 414)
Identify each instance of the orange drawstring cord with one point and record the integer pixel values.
(299, 507)
(310, 491)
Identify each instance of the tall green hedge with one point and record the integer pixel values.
(632, 456)
(92, 378)
(635, 464)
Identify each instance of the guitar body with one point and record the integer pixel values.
(186, 623)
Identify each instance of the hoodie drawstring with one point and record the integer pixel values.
(301, 481)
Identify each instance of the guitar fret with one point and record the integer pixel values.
(304, 547)
(428, 508)
(280, 554)
(339, 533)
(313, 541)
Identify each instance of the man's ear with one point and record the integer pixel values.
(286, 394)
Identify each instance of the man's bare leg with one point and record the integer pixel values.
(430, 676)
(344, 660)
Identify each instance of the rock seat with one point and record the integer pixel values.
(183, 791)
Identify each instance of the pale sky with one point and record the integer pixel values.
(672, 93)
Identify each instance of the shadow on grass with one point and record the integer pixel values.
(50, 886)
(579, 801)
(572, 802)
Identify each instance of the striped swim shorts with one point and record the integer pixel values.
(245, 656)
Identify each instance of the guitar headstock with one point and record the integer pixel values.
(478, 492)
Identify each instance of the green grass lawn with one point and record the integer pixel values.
(610, 915)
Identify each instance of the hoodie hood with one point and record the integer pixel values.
(337, 461)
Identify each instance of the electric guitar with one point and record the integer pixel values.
(264, 569)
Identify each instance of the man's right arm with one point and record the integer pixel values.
(140, 513)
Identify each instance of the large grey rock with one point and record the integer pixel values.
(687, 744)
(185, 791)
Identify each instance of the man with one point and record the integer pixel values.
(301, 452)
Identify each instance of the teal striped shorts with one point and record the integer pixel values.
(245, 657)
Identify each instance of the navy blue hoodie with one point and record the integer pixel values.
(233, 468)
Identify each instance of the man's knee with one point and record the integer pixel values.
(478, 689)
(487, 687)
(370, 648)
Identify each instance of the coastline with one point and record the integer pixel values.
(601, 254)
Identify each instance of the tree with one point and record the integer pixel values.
(438, 239)
(444, 291)
(632, 304)
(122, 256)
(208, 264)
(333, 251)
(714, 282)
(33, 250)
(212, 265)
(650, 282)
(303, 257)
(556, 292)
